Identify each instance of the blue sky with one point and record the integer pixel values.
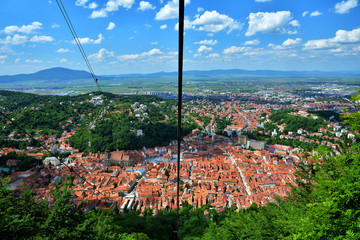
(132, 36)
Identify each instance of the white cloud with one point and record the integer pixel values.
(62, 50)
(342, 37)
(163, 26)
(271, 22)
(112, 6)
(150, 53)
(315, 14)
(2, 59)
(15, 40)
(200, 9)
(89, 40)
(5, 49)
(170, 10)
(213, 55)
(207, 42)
(27, 29)
(129, 57)
(305, 13)
(148, 26)
(55, 25)
(187, 25)
(319, 44)
(145, 6)
(63, 60)
(262, 0)
(252, 42)
(291, 42)
(17, 60)
(287, 44)
(204, 49)
(294, 23)
(98, 14)
(33, 61)
(111, 26)
(101, 55)
(42, 39)
(81, 2)
(93, 5)
(345, 6)
(154, 43)
(234, 49)
(214, 22)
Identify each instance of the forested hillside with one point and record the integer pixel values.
(325, 205)
(108, 122)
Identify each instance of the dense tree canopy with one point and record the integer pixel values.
(325, 205)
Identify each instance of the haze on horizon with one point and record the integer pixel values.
(132, 36)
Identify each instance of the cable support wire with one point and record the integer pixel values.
(77, 41)
(180, 77)
(71, 169)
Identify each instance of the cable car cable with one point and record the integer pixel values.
(77, 41)
(70, 168)
(180, 77)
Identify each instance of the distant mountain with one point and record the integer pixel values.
(64, 74)
(52, 74)
(237, 72)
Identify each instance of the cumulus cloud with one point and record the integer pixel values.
(215, 22)
(42, 39)
(200, 9)
(89, 40)
(111, 26)
(112, 6)
(33, 61)
(211, 22)
(292, 42)
(345, 6)
(207, 42)
(305, 13)
(315, 14)
(252, 42)
(3, 59)
(145, 6)
(234, 49)
(14, 40)
(102, 55)
(170, 10)
(204, 49)
(150, 53)
(271, 22)
(63, 60)
(93, 5)
(163, 26)
(342, 37)
(81, 2)
(26, 29)
(62, 50)
(289, 43)
(213, 55)
(55, 25)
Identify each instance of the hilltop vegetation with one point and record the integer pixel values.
(111, 125)
(325, 205)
